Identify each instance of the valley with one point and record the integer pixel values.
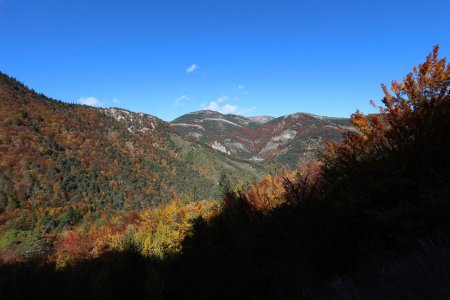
(109, 203)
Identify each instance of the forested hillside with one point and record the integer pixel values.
(62, 165)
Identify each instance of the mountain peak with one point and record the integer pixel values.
(205, 112)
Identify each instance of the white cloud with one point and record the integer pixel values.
(229, 109)
(213, 105)
(115, 100)
(224, 108)
(91, 101)
(180, 101)
(191, 68)
(241, 87)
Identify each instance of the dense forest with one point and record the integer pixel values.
(369, 219)
(76, 172)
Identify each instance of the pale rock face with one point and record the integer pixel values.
(118, 114)
(220, 147)
(286, 135)
(196, 135)
(276, 141)
(125, 116)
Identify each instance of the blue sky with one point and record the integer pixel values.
(258, 57)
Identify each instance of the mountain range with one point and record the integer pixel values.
(52, 152)
(285, 141)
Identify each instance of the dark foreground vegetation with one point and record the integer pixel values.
(370, 221)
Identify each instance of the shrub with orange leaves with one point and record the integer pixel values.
(412, 110)
(395, 165)
(267, 193)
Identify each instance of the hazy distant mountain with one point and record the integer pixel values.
(285, 140)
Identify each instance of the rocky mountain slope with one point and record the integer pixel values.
(286, 140)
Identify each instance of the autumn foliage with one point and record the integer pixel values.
(412, 110)
(367, 221)
(397, 160)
